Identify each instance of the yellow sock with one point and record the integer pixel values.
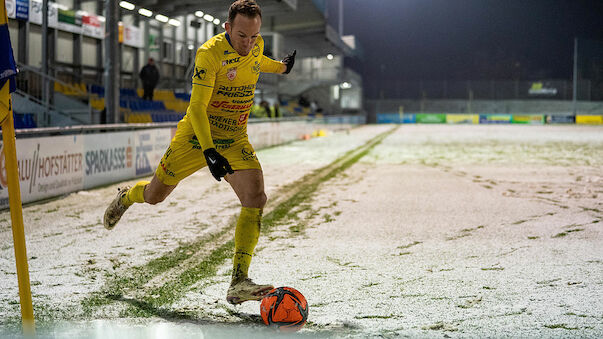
(246, 237)
(134, 194)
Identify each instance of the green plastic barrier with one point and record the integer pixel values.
(422, 118)
(528, 119)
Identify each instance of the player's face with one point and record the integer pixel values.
(243, 33)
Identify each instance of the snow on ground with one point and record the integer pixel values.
(438, 231)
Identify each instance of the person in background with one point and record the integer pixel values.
(149, 75)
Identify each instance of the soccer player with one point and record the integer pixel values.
(213, 133)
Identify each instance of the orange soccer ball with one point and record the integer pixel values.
(285, 308)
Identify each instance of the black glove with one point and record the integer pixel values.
(218, 165)
(289, 60)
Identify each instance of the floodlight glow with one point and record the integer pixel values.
(145, 12)
(346, 85)
(208, 17)
(330, 56)
(174, 22)
(199, 14)
(216, 21)
(126, 5)
(162, 18)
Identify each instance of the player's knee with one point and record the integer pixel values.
(257, 200)
(262, 198)
(154, 199)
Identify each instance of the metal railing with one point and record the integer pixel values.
(30, 85)
(42, 118)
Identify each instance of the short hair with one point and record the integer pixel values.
(248, 8)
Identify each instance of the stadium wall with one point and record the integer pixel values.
(54, 165)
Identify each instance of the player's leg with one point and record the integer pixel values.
(248, 183)
(152, 192)
(181, 159)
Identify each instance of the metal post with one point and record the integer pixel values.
(136, 63)
(174, 62)
(196, 39)
(340, 17)
(575, 91)
(77, 46)
(147, 36)
(99, 46)
(23, 52)
(162, 53)
(112, 66)
(45, 85)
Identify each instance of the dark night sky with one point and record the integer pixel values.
(467, 39)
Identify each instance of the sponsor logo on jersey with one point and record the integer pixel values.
(232, 73)
(200, 73)
(222, 144)
(227, 52)
(228, 105)
(230, 61)
(242, 101)
(256, 50)
(194, 142)
(248, 154)
(166, 170)
(224, 123)
(243, 118)
(256, 68)
(236, 91)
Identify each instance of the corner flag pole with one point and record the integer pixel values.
(14, 190)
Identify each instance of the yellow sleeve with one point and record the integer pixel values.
(268, 65)
(204, 78)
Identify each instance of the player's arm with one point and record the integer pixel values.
(204, 78)
(268, 65)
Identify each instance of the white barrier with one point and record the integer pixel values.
(56, 165)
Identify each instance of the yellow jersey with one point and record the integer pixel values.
(224, 85)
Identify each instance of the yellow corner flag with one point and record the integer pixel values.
(8, 71)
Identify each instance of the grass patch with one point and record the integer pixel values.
(563, 234)
(375, 316)
(408, 245)
(314, 277)
(327, 217)
(546, 282)
(371, 284)
(492, 268)
(533, 237)
(562, 326)
(440, 326)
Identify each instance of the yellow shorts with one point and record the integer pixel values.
(185, 156)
